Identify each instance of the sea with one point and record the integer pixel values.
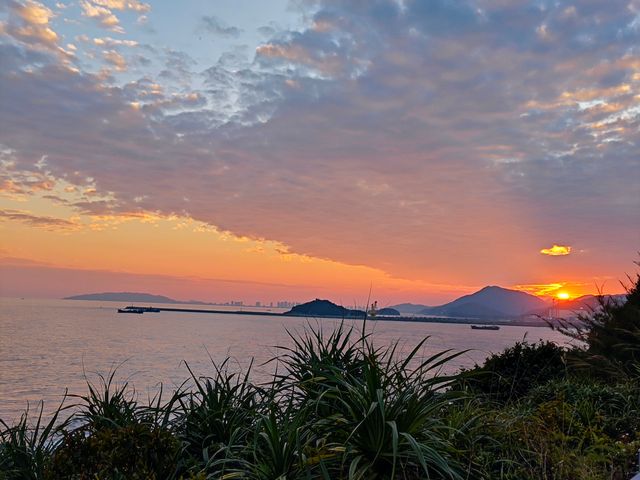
(52, 347)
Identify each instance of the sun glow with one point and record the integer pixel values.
(563, 296)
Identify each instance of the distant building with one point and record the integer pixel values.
(286, 304)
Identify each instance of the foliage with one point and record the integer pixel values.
(26, 449)
(611, 333)
(564, 430)
(511, 374)
(214, 421)
(135, 451)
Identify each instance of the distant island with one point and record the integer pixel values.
(124, 297)
(324, 308)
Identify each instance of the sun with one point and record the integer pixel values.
(563, 296)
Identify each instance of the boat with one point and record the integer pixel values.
(485, 327)
(141, 309)
(130, 310)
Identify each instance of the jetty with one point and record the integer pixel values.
(394, 318)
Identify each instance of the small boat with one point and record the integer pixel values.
(130, 310)
(485, 327)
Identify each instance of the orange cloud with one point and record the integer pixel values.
(35, 27)
(103, 15)
(556, 250)
(134, 5)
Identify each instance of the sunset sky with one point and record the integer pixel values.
(285, 150)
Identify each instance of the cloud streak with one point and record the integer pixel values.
(48, 223)
(212, 24)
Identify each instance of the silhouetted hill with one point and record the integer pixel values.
(490, 302)
(324, 308)
(124, 297)
(388, 311)
(409, 307)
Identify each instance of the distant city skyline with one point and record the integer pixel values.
(259, 151)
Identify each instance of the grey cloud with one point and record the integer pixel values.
(49, 223)
(212, 24)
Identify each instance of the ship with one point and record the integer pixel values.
(134, 309)
(485, 327)
(131, 310)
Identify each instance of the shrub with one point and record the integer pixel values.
(511, 374)
(564, 430)
(136, 451)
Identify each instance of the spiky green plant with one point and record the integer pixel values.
(215, 420)
(107, 404)
(315, 358)
(382, 416)
(26, 447)
(391, 417)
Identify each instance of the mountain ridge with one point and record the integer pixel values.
(489, 302)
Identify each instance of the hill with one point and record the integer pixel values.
(124, 297)
(490, 302)
(324, 308)
(409, 307)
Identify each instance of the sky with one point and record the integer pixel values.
(286, 150)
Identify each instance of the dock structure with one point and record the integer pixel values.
(394, 318)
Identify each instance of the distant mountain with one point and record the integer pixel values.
(490, 302)
(324, 308)
(388, 311)
(124, 297)
(409, 307)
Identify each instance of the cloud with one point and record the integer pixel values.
(400, 136)
(112, 42)
(116, 60)
(133, 5)
(104, 16)
(48, 223)
(556, 250)
(214, 25)
(31, 23)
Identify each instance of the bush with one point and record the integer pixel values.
(511, 374)
(566, 429)
(611, 335)
(137, 451)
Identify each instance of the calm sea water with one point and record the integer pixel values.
(47, 346)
